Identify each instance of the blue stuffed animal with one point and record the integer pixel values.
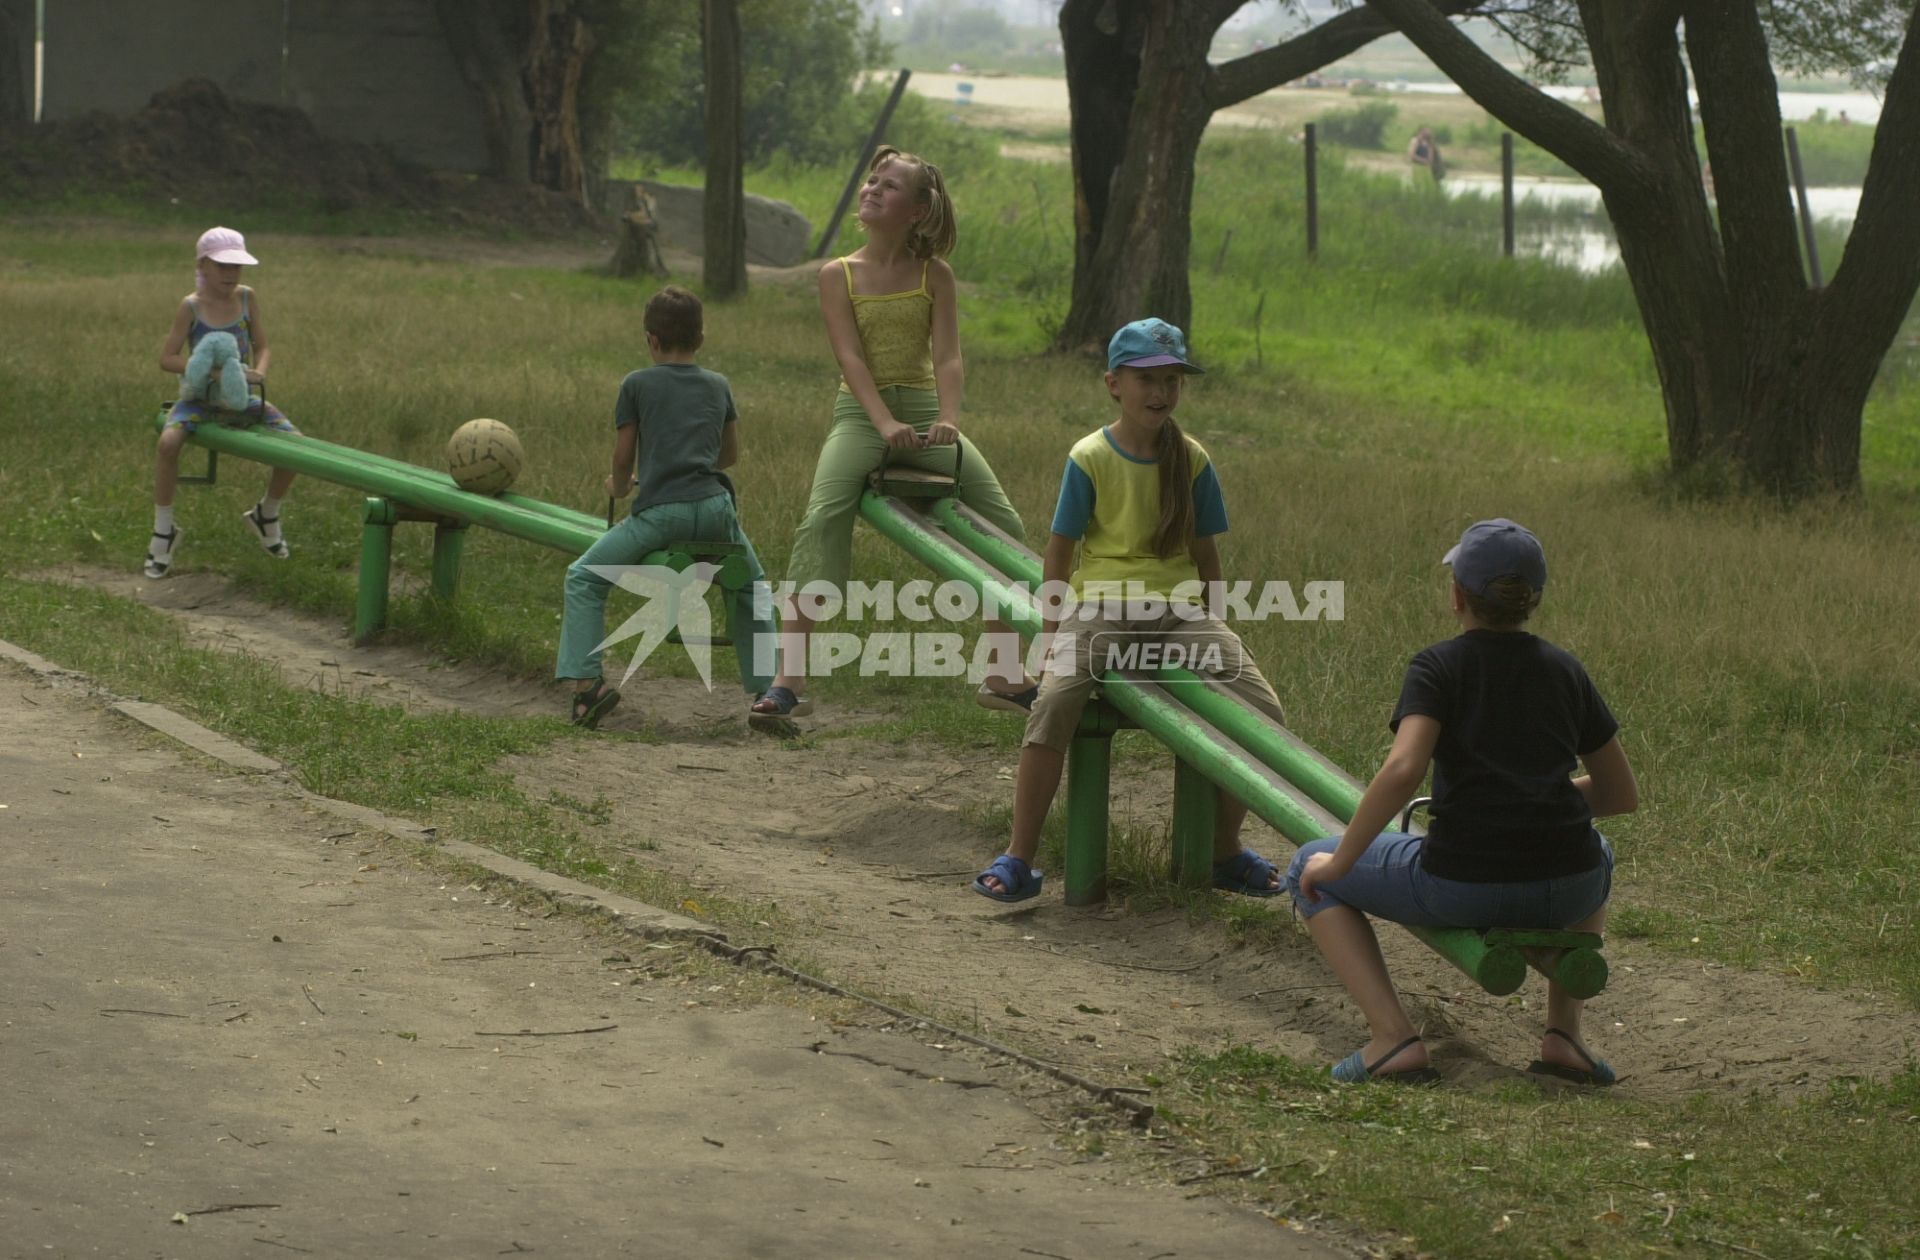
(215, 375)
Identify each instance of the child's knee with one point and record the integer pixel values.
(1299, 863)
(172, 438)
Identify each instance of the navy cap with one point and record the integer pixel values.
(1491, 550)
(1147, 343)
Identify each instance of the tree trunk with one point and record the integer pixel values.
(1141, 94)
(479, 33)
(558, 46)
(1137, 87)
(725, 209)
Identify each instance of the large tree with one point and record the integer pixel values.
(1141, 92)
(1761, 372)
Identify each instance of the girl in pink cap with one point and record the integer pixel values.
(219, 303)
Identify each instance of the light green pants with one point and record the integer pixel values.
(823, 545)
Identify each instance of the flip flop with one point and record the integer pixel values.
(1246, 873)
(1355, 1070)
(592, 705)
(1599, 1071)
(782, 705)
(1018, 881)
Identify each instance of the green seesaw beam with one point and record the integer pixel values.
(408, 492)
(1208, 728)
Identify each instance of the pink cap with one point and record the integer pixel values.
(224, 245)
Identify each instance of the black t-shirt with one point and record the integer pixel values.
(1516, 713)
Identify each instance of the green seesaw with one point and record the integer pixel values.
(402, 492)
(1215, 739)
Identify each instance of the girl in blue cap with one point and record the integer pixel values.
(1140, 504)
(1503, 716)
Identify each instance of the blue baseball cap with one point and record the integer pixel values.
(1491, 550)
(1147, 343)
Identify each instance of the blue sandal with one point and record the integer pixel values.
(1599, 1071)
(1018, 881)
(772, 707)
(1355, 1070)
(1246, 873)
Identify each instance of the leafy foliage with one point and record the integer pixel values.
(799, 55)
(1362, 127)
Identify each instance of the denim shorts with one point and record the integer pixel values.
(191, 415)
(1389, 883)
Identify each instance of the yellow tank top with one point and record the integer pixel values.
(896, 333)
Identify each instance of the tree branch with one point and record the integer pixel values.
(1556, 127)
(1740, 113)
(1881, 269)
(1246, 77)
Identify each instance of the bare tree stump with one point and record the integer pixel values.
(639, 249)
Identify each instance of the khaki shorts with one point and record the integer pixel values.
(1086, 647)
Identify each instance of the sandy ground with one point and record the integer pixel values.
(233, 1022)
(866, 849)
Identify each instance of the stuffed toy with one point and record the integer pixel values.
(215, 374)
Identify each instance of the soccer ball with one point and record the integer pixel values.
(484, 456)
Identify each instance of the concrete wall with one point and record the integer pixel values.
(115, 54)
(375, 71)
(16, 37)
(379, 71)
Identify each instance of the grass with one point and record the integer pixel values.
(1501, 1175)
(1764, 665)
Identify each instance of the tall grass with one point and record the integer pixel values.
(1766, 668)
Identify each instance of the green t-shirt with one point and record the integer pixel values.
(681, 409)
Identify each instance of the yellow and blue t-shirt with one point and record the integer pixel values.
(1110, 501)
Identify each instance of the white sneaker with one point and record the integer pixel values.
(1008, 702)
(161, 549)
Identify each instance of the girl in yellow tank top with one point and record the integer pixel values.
(891, 313)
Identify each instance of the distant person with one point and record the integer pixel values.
(891, 311)
(1140, 507)
(219, 303)
(675, 428)
(1843, 120)
(1503, 717)
(1424, 150)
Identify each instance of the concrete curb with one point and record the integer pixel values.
(630, 915)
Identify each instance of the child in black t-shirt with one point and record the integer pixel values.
(1503, 716)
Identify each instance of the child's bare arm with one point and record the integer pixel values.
(949, 370)
(262, 351)
(626, 448)
(729, 445)
(1608, 784)
(173, 350)
(1206, 560)
(1056, 566)
(1392, 787)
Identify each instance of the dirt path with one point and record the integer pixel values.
(231, 1020)
(866, 850)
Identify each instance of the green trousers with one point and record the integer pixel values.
(823, 545)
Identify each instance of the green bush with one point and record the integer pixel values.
(1362, 127)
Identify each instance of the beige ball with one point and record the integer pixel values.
(484, 456)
